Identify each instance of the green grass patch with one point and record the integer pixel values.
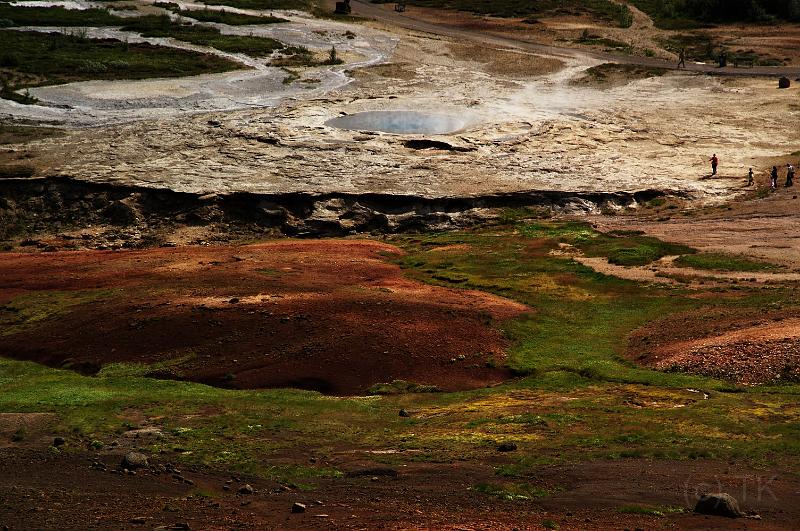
(225, 17)
(512, 491)
(36, 59)
(609, 44)
(609, 71)
(621, 248)
(606, 10)
(265, 5)
(701, 46)
(578, 398)
(237, 430)
(129, 370)
(724, 262)
(25, 311)
(163, 26)
(686, 14)
(650, 511)
(57, 17)
(398, 387)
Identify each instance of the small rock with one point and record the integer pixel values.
(784, 83)
(246, 489)
(404, 413)
(134, 460)
(226, 487)
(234, 300)
(719, 504)
(121, 213)
(298, 508)
(138, 520)
(507, 447)
(59, 441)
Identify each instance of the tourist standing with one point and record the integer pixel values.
(773, 178)
(682, 58)
(789, 175)
(750, 177)
(714, 163)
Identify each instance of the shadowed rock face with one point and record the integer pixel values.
(400, 122)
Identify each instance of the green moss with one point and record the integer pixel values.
(26, 311)
(224, 17)
(602, 9)
(649, 511)
(163, 26)
(54, 58)
(401, 387)
(58, 17)
(724, 262)
(264, 5)
(577, 397)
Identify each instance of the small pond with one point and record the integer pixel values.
(400, 122)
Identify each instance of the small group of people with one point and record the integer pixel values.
(773, 177)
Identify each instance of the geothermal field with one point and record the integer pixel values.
(435, 264)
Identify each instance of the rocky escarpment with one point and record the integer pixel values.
(29, 207)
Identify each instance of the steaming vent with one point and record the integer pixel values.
(400, 122)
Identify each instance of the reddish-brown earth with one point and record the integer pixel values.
(73, 491)
(334, 316)
(741, 345)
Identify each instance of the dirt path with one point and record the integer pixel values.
(411, 20)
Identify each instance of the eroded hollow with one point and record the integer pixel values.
(400, 122)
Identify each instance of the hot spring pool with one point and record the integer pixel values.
(400, 122)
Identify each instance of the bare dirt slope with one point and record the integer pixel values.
(333, 316)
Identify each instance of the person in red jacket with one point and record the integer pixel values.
(714, 164)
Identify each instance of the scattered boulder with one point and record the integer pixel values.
(134, 460)
(246, 489)
(507, 447)
(120, 213)
(404, 413)
(59, 441)
(719, 504)
(298, 508)
(784, 83)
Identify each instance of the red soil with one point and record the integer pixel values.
(333, 316)
(43, 490)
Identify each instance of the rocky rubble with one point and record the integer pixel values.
(746, 362)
